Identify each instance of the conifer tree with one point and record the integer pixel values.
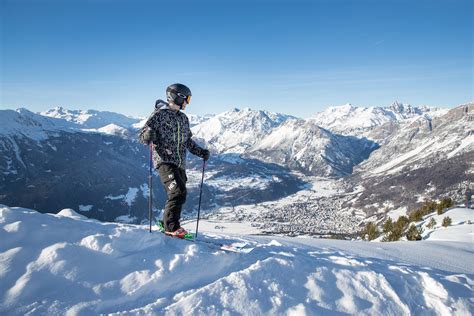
(447, 221)
(432, 223)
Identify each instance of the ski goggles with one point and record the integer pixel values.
(186, 98)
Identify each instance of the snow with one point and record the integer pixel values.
(140, 124)
(110, 129)
(125, 219)
(237, 130)
(79, 117)
(213, 226)
(131, 195)
(196, 119)
(354, 120)
(145, 190)
(350, 117)
(91, 119)
(461, 228)
(63, 264)
(25, 123)
(227, 183)
(128, 198)
(395, 214)
(418, 153)
(39, 127)
(68, 212)
(466, 143)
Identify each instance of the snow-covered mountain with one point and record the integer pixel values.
(106, 170)
(196, 119)
(24, 123)
(91, 119)
(419, 160)
(39, 153)
(345, 140)
(275, 138)
(422, 140)
(237, 130)
(66, 264)
(304, 146)
(257, 158)
(351, 120)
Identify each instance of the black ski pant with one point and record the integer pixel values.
(174, 180)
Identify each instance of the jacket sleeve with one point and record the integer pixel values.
(193, 147)
(144, 135)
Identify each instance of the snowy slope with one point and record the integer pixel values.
(461, 228)
(65, 264)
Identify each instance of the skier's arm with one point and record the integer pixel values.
(195, 149)
(147, 135)
(148, 132)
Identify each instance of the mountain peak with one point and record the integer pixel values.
(341, 108)
(401, 108)
(241, 110)
(23, 111)
(396, 103)
(59, 109)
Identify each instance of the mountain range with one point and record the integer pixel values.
(381, 158)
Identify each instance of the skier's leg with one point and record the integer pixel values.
(175, 186)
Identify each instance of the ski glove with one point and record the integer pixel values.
(205, 154)
(149, 136)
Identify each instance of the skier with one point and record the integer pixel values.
(167, 129)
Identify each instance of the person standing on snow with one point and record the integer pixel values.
(168, 130)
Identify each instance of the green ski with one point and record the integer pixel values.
(161, 228)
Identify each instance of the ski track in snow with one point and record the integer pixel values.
(67, 264)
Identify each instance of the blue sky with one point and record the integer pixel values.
(294, 57)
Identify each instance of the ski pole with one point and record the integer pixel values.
(150, 185)
(200, 195)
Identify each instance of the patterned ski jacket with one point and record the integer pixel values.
(174, 137)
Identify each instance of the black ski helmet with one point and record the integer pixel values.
(178, 93)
